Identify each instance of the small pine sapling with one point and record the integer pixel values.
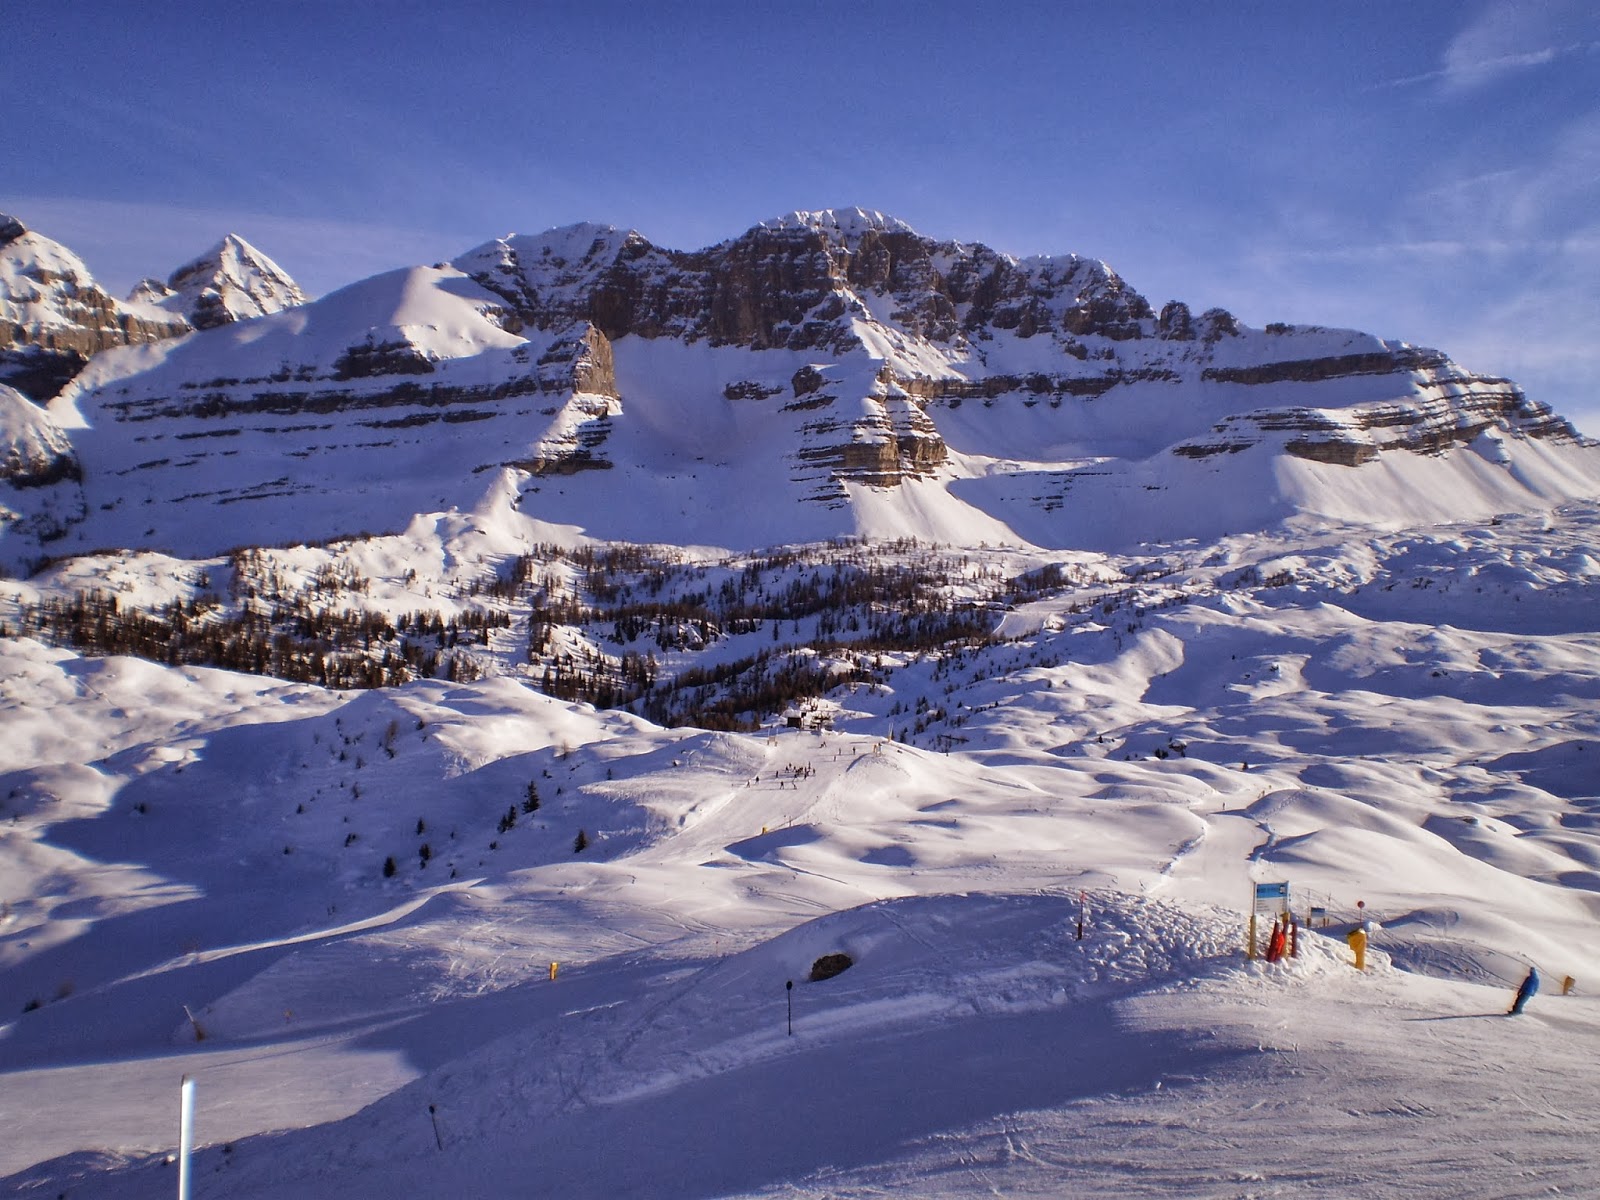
(580, 843)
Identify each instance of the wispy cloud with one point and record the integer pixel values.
(1507, 37)
(1500, 268)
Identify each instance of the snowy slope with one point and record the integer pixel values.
(970, 598)
(1402, 718)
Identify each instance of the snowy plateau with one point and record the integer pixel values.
(449, 720)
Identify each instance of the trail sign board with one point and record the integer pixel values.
(1272, 897)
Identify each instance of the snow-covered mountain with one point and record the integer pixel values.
(233, 281)
(823, 374)
(54, 317)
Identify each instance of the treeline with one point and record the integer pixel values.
(736, 694)
(621, 626)
(332, 648)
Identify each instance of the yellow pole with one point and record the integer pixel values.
(1251, 953)
(1358, 944)
(553, 968)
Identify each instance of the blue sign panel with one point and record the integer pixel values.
(1272, 897)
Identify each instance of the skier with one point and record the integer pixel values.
(1530, 985)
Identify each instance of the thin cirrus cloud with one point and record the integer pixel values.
(1507, 37)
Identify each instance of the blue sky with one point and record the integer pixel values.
(1428, 170)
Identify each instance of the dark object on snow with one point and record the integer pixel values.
(1530, 985)
(830, 965)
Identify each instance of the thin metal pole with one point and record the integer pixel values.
(789, 991)
(185, 1135)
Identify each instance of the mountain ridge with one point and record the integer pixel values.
(825, 373)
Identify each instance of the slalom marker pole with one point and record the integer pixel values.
(789, 991)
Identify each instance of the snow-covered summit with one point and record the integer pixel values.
(842, 223)
(54, 316)
(233, 281)
(565, 252)
(38, 276)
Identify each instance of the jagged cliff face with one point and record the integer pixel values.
(54, 317)
(801, 283)
(821, 374)
(233, 281)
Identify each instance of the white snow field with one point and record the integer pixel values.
(191, 871)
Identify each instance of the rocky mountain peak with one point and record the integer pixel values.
(803, 281)
(54, 316)
(840, 224)
(232, 281)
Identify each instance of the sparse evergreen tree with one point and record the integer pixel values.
(580, 843)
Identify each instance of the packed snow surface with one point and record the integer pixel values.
(1402, 725)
